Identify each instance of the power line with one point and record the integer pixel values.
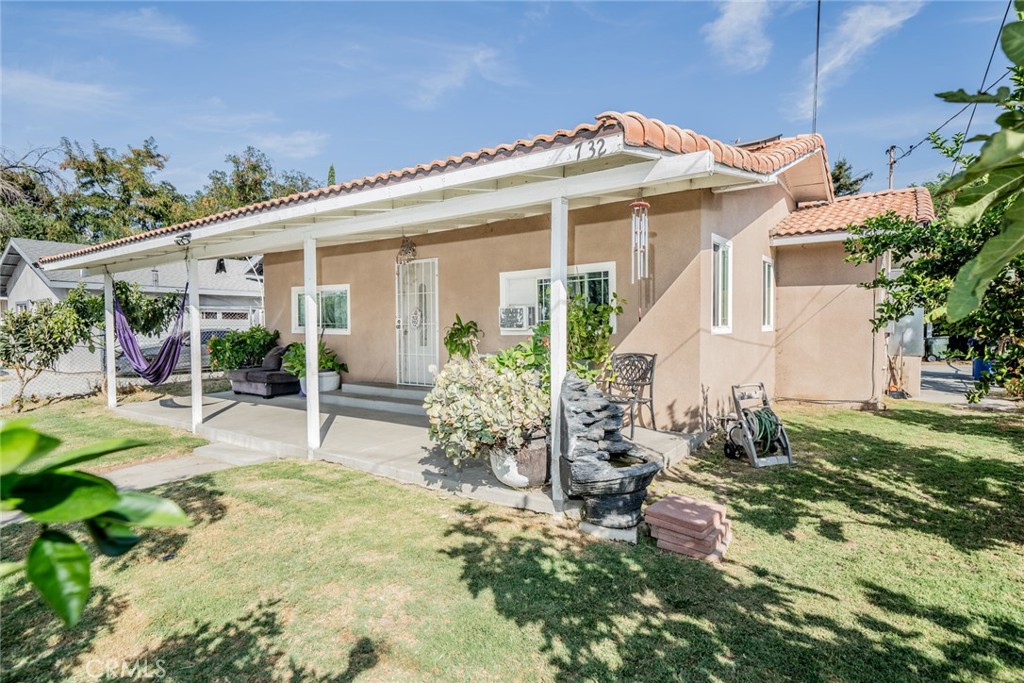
(984, 78)
(950, 119)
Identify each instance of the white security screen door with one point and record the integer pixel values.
(416, 321)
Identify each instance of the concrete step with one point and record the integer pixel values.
(407, 406)
(668, 447)
(379, 390)
(233, 455)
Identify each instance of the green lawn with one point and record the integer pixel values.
(79, 422)
(893, 551)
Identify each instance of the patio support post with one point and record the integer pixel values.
(195, 344)
(311, 308)
(108, 339)
(558, 341)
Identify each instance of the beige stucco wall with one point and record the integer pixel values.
(670, 314)
(469, 263)
(912, 375)
(746, 354)
(825, 349)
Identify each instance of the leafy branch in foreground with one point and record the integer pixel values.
(996, 175)
(56, 564)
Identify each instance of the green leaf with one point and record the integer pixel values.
(976, 275)
(146, 510)
(59, 569)
(8, 568)
(20, 445)
(8, 501)
(1013, 118)
(961, 96)
(112, 538)
(1012, 40)
(973, 201)
(1005, 146)
(80, 455)
(64, 496)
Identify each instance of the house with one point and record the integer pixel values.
(230, 296)
(746, 276)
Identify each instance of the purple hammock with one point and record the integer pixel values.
(160, 368)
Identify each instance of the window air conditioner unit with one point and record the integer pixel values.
(517, 318)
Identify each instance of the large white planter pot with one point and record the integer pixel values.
(329, 381)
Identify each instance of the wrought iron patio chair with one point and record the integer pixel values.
(632, 378)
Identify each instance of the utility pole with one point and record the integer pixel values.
(892, 162)
(817, 54)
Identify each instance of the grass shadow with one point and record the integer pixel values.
(200, 500)
(36, 644)
(613, 613)
(973, 503)
(1007, 426)
(239, 650)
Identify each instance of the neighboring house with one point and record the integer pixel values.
(230, 297)
(748, 281)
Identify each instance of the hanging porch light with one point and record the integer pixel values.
(406, 252)
(639, 266)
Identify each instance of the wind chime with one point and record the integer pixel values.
(639, 263)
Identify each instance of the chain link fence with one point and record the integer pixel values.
(82, 371)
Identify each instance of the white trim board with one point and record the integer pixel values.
(666, 174)
(822, 238)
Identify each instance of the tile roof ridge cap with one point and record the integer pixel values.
(881, 193)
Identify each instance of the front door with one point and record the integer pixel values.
(416, 321)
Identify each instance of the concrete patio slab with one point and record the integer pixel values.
(386, 444)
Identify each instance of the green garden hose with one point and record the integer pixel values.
(765, 427)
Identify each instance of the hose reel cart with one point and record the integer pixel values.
(756, 429)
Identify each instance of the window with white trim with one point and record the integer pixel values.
(595, 281)
(721, 288)
(335, 311)
(767, 294)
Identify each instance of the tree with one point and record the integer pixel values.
(147, 316)
(115, 195)
(331, 180)
(32, 340)
(51, 492)
(994, 177)
(927, 259)
(251, 179)
(29, 189)
(843, 179)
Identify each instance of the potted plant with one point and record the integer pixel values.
(479, 410)
(462, 338)
(294, 362)
(241, 348)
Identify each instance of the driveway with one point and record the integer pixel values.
(943, 382)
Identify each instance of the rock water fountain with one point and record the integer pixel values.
(600, 466)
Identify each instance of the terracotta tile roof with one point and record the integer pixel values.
(911, 202)
(638, 130)
(642, 131)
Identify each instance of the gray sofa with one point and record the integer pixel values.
(267, 380)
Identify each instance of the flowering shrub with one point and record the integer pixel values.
(475, 406)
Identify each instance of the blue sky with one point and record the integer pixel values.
(375, 86)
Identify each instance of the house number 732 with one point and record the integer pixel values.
(589, 149)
